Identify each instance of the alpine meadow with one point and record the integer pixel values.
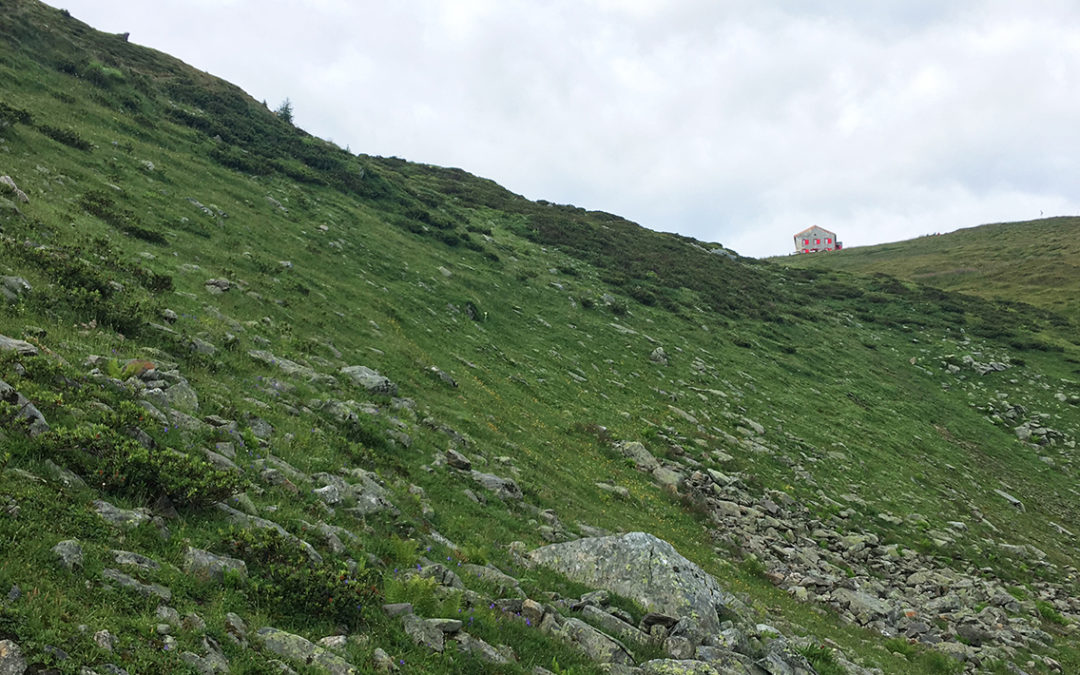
(271, 406)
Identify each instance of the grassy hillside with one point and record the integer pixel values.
(1033, 262)
(193, 279)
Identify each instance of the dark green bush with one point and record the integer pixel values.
(117, 464)
(282, 576)
(66, 136)
(10, 115)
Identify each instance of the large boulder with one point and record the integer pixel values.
(644, 568)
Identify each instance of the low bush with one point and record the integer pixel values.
(68, 137)
(282, 576)
(117, 464)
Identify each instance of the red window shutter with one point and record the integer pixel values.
(817, 241)
(829, 240)
(805, 241)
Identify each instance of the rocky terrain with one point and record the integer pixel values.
(270, 406)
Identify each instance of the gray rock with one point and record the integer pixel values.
(221, 461)
(207, 567)
(658, 355)
(479, 648)
(12, 289)
(370, 380)
(328, 494)
(598, 645)
(124, 518)
(613, 625)
(13, 189)
(200, 346)
(11, 659)
(302, 650)
(383, 662)
(683, 667)
(182, 396)
(70, 553)
(643, 568)
(423, 632)
(136, 560)
(131, 584)
(285, 365)
(640, 455)
(1009, 498)
(458, 460)
(217, 286)
(667, 477)
(504, 488)
(26, 412)
(492, 575)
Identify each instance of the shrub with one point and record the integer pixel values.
(282, 576)
(10, 115)
(284, 111)
(120, 465)
(66, 136)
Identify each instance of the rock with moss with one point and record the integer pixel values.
(301, 650)
(644, 568)
(207, 567)
(11, 658)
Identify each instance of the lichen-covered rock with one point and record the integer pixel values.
(205, 566)
(70, 553)
(132, 584)
(643, 568)
(641, 457)
(479, 648)
(504, 488)
(599, 646)
(11, 659)
(423, 632)
(681, 667)
(121, 517)
(302, 650)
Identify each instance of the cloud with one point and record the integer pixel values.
(740, 122)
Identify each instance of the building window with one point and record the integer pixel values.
(829, 240)
(805, 250)
(805, 242)
(817, 241)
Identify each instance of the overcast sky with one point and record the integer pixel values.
(738, 121)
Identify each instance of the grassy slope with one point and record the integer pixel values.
(545, 377)
(1033, 261)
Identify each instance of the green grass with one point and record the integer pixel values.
(544, 315)
(1032, 262)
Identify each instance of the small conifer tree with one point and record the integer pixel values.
(284, 111)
